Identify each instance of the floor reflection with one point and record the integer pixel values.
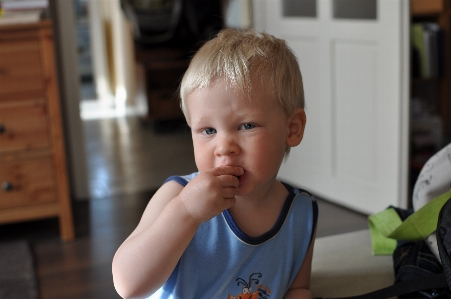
(125, 155)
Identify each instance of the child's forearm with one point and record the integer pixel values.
(145, 261)
(298, 294)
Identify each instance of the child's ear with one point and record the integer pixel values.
(296, 126)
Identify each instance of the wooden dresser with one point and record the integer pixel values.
(33, 174)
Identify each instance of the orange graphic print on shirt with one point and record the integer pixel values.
(262, 292)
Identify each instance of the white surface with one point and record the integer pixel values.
(69, 83)
(343, 265)
(355, 79)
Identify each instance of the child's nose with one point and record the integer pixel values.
(226, 146)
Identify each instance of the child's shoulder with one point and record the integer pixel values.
(181, 179)
(302, 198)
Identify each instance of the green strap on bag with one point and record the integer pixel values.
(386, 227)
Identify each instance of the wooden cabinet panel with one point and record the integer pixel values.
(20, 66)
(23, 125)
(33, 172)
(423, 7)
(27, 182)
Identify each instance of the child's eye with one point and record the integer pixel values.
(247, 126)
(209, 131)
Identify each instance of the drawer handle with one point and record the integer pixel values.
(7, 186)
(2, 129)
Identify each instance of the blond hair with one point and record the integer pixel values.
(245, 58)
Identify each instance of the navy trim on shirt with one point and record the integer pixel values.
(266, 236)
(279, 223)
(314, 207)
(178, 179)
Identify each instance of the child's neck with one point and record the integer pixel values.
(256, 215)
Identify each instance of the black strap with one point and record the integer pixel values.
(434, 281)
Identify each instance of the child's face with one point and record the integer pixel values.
(231, 129)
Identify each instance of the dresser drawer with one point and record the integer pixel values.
(23, 125)
(26, 182)
(33, 169)
(20, 66)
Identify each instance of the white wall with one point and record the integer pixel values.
(238, 14)
(67, 63)
(112, 52)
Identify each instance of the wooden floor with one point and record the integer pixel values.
(127, 161)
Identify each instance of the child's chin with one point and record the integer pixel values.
(241, 190)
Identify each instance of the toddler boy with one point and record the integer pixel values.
(230, 230)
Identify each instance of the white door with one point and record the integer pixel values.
(355, 65)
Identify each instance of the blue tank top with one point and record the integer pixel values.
(222, 262)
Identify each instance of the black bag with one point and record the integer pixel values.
(439, 281)
(444, 240)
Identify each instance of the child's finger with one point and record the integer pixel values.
(229, 181)
(229, 202)
(231, 170)
(228, 193)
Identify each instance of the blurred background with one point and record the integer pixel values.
(376, 78)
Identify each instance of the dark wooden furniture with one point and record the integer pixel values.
(162, 71)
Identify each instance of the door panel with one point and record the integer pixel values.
(354, 99)
(355, 74)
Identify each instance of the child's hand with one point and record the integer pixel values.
(211, 192)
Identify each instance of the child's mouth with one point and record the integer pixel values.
(240, 177)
